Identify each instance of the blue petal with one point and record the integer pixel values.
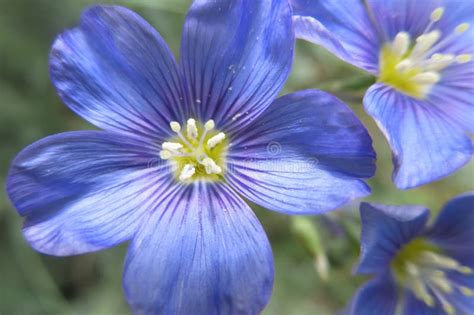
(342, 27)
(413, 306)
(84, 191)
(452, 229)
(116, 71)
(385, 230)
(378, 296)
(426, 144)
(307, 154)
(236, 56)
(202, 252)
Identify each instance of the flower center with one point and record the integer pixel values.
(413, 67)
(424, 269)
(197, 154)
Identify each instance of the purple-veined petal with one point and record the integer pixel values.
(394, 16)
(342, 27)
(385, 230)
(236, 56)
(84, 191)
(378, 296)
(116, 71)
(202, 252)
(307, 154)
(426, 144)
(453, 228)
(454, 95)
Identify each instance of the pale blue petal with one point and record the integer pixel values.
(427, 145)
(307, 154)
(202, 252)
(84, 191)
(116, 71)
(236, 56)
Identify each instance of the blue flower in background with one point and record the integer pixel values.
(432, 266)
(180, 144)
(421, 53)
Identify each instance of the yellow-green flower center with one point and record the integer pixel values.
(199, 153)
(413, 67)
(422, 267)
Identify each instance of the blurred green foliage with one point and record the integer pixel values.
(34, 284)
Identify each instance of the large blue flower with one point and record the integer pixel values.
(181, 144)
(422, 55)
(432, 266)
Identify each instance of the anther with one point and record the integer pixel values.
(427, 77)
(464, 58)
(466, 291)
(425, 42)
(442, 283)
(165, 155)
(437, 14)
(192, 130)
(209, 125)
(422, 293)
(175, 126)
(439, 61)
(448, 308)
(172, 146)
(401, 43)
(211, 166)
(187, 172)
(461, 28)
(215, 140)
(465, 270)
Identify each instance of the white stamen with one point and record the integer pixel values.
(165, 155)
(420, 290)
(404, 65)
(211, 143)
(209, 125)
(187, 172)
(192, 130)
(442, 283)
(461, 28)
(172, 146)
(401, 43)
(175, 126)
(427, 78)
(465, 270)
(466, 291)
(448, 308)
(211, 166)
(439, 62)
(437, 14)
(425, 42)
(464, 58)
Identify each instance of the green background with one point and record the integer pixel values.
(36, 284)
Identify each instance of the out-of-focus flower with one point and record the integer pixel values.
(423, 270)
(422, 55)
(180, 143)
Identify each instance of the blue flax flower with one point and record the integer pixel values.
(181, 145)
(420, 270)
(421, 53)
